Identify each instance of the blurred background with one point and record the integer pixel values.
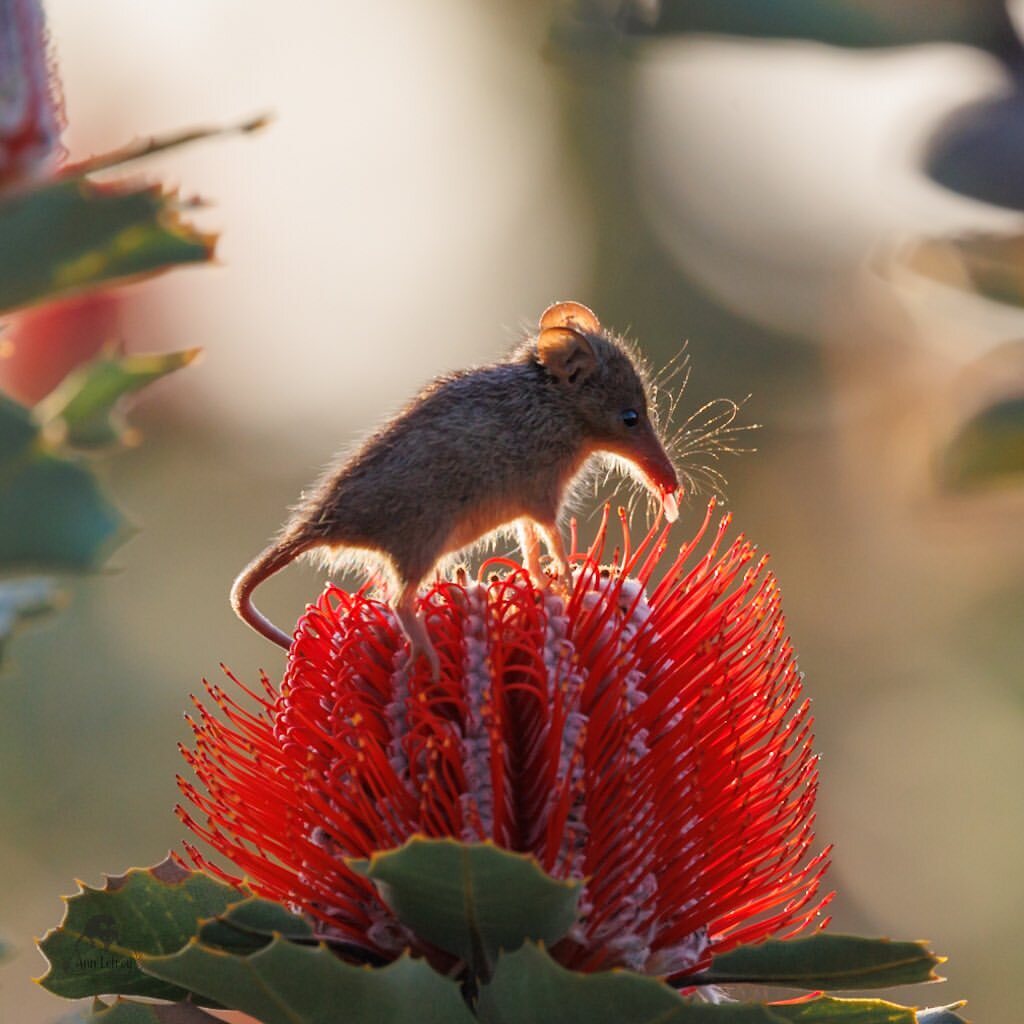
(821, 200)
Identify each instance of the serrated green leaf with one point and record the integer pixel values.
(528, 987)
(86, 403)
(471, 899)
(66, 236)
(988, 448)
(127, 1011)
(52, 512)
(250, 925)
(24, 599)
(285, 983)
(264, 917)
(154, 910)
(827, 962)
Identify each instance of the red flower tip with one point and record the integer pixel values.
(648, 738)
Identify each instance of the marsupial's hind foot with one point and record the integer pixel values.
(416, 632)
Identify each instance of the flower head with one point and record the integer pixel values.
(650, 739)
(30, 111)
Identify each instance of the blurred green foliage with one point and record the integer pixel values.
(53, 514)
(857, 23)
(988, 448)
(87, 406)
(65, 234)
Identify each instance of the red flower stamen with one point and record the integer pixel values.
(651, 740)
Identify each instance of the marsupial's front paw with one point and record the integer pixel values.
(557, 579)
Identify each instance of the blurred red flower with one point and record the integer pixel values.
(48, 341)
(45, 343)
(648, 738)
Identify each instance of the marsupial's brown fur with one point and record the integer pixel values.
(475, 451)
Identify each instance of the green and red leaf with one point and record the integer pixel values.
(85, 406)
(67, 236)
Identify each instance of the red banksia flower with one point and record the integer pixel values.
(650, 739)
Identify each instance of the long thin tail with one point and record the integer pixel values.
(263, 566)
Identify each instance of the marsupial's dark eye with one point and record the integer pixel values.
(630, 417)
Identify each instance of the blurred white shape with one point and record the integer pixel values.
(771, 171)
(404, 211)
(960, 325)
(1016, 9)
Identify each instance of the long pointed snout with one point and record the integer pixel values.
(645, 451)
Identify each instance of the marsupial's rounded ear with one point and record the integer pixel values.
(566, 354)
(570, 314)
